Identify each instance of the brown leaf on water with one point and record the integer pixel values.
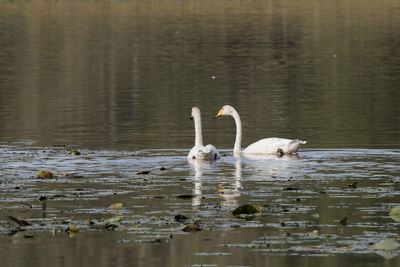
(75, 153)
(247, 209)
(116, 206)
(18, 221)
(192, 227)
(45, 174)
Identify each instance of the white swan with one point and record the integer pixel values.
(278, 146)
(199, 151)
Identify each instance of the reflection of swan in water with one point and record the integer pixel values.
(268, 166)
(231, 194)
(274, 146)
(198, 166)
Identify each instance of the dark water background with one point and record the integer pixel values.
(118, 74)
(117, 80)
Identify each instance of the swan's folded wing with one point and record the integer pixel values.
(270, 146)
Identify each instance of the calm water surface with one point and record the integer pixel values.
(116, 80)
(303, 200)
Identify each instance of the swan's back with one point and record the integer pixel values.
(208, 152)
(274, 145)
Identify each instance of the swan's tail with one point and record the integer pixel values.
(295, 144)
(298, 142)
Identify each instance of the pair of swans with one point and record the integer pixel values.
(267, 146)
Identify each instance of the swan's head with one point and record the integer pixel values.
(195, 113)
(225, 110)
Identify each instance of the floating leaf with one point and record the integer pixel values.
(115, 219)
(395, 213)
(111, 226)
(116, 206)
(192, 227)
(75, 153)
(72, 234)
(291, 188)
(247, 209)
(387, 244)
(186, 196)
(180, 218)
(72, 228)
(18, 221)
(45, 174)
(354, 185)
(343, 221)
(143, 172)
(71, 175)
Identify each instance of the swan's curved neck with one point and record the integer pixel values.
(198, 131)
(238, 141)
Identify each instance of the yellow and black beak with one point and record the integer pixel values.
(219, 113)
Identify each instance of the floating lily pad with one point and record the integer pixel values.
(395, 213)
(247, 209)
(45, 174)
(387, 244)
(116, 206)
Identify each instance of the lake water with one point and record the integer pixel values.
(116, 80)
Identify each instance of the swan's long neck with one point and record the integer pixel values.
(238, 141)
(198, 130)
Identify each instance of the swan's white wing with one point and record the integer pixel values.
(273, 145)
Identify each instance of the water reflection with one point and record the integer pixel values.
(197, 166)
(230, 190)
(272, 165)
(228, 187)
